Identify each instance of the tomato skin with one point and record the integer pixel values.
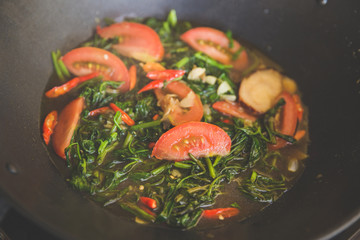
(198, 138)
(200, 37)
(107, 64)
(135, 40)
(288, 122)
(232, 109)
(64, 130)
(177, 115)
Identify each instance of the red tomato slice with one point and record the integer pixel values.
(233, 109)
(215, 44)
(86, 60)
(135, 40)
(178, 115)
(64, 130)
(198, 138)
(288, 120)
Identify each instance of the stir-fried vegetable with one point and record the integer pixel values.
(165, 140)
(49, 126)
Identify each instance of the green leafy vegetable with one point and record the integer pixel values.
(112, 161)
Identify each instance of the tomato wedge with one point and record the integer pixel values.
(178, 115)
(198, 138)
(85, 60)
(232, 109)
(215, 44)
(64, 130)
(288, 120)
(135, 40)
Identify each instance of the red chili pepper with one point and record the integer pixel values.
(49, 125)
(168, 75)
(132, 76)
(124, 116)
(151, 145)
(99, 111)
(147, 210)
(149, 202)
(153, 85)
(220, 213)
(156, 117)
(227, 121)
(65, 88)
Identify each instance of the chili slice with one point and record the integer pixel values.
(220, 213)
(168, 75)
(65, 88)
(49, 125)
(149, 202)
(152, 85)
(124, 116)
(98, 111)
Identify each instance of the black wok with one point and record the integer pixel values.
(318, 45)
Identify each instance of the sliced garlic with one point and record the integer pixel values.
(210, 79)
(293, 165)
(206, 109)
(188, 101)
(228, 97)
(112, 90)
(223, 88)
(196, 74)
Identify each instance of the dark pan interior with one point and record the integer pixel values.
(316, 44)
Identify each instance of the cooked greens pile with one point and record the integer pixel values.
(112, 161)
